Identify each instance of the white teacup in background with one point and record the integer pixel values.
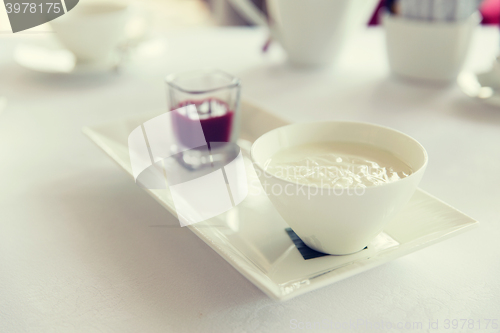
(311, 31)
(331, 221)
(93, 29)
(428, 50)
(428, 39)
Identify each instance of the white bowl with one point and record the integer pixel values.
(428, 50)
(338, 223)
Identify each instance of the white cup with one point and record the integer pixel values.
(428, 50)
(312, 31)
(334, 222)
(93, 29)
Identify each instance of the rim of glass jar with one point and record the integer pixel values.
(234, 82)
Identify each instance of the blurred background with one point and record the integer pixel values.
(189, 13)
(165, 14)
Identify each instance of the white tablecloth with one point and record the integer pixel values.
(77, 253)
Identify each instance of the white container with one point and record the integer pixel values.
(93, 30)
(338, 223)
(313, 32)
(428, 50)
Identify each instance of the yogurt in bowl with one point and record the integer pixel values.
(337, 184)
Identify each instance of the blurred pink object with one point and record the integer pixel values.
(490, 9)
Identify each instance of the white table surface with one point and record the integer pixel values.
(77, 253)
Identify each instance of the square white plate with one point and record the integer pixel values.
(252, 237)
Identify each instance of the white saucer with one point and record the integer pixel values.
(52, 58)
(484, 86)
(252, 237)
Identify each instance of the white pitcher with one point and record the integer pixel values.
(311, 31)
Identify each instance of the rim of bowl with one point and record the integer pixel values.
(422, 167)
(474, 17)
